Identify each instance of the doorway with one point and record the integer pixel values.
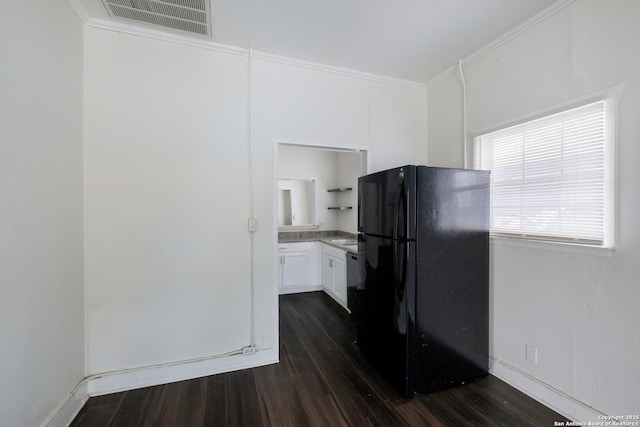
(320, 171)
(308, 163)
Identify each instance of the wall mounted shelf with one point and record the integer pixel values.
(340, 208)
(339, 190)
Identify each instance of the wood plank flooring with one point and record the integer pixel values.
(322, 380)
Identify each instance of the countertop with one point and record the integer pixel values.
(319, 236)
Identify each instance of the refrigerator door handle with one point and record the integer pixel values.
(399, 265)
(394, 235)
(396, 277)
(396, 215)
(402, 204)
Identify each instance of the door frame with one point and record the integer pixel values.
(363, 150)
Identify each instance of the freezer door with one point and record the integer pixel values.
(386, 203)
(386, 308)
(452, 295)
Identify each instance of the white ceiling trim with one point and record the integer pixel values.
(336, 70)
(506, 37)
(319, 145)
(120, 27)
(515, 32)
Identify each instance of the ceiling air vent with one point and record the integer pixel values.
(191, 16)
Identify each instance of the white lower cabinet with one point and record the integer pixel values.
(298, 267)
(312, 266)
(334, 273)
(294, 269)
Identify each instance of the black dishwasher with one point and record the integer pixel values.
(352, 278)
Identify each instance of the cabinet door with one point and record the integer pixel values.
(327, 272)
(294, 270)
(340, 279)
(314, 265)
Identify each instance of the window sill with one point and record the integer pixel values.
(554, 246)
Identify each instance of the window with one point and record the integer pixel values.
(550, 177)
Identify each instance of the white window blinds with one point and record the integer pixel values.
(548, 177)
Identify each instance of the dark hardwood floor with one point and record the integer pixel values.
(322, 380)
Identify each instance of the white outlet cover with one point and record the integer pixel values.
(531, 353)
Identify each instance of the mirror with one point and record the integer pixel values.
(297, 202)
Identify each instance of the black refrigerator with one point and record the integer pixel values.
(423, 276)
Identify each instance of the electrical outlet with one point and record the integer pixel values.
(531, 353)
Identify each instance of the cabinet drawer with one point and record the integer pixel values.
(334, 252)
(295, 247)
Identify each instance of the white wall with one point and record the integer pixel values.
(446, 128)
(322, 108)
(581, 311)
(167, 202)
(41, 261)
(167, 187)
(349, 169)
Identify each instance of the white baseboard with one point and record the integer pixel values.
(299, 289)
(149, 376)
(69, 408)
(549, 396)
(154, 375)
(114, 382)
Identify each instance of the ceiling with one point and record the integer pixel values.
(408, 39)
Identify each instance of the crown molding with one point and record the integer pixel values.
(336, 70)
(105, 24)
(120, 27)
(515, 32)
(505, 38)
